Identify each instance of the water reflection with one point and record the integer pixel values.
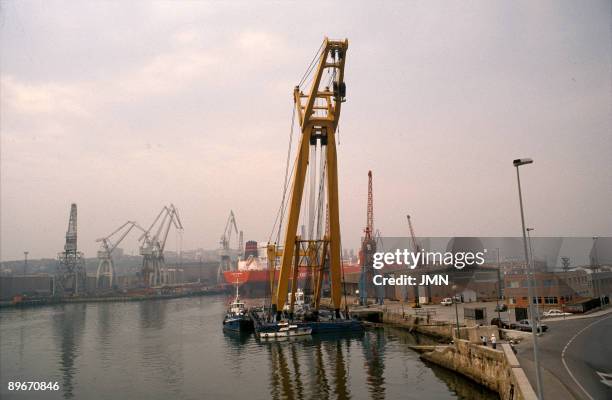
(153, 314)
(463, 388)
(105, 329)
(340, 371)
(374, 355)
(318, 367)
(68, 327)
(161, 354)
(308, 369)
(237, 347)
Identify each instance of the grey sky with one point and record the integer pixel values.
(122, 107)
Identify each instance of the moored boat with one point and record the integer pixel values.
(284, 330)
(236, 318)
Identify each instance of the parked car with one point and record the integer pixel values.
(555, 312)
(500, 323)
(525, 325)
(501, 308)
(447, 301)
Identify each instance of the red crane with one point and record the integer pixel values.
(368, 248)
(369, 230)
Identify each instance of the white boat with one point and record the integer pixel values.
(285, 330)
(299, 305)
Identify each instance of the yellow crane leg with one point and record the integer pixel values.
(334, 221)
(320, 272)
(297, 190)
(294, 281)
(271, 250)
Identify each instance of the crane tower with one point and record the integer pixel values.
(71, 278)
(226, 254)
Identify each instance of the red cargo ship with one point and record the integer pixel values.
(252, 273)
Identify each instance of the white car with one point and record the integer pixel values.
(447, 301)
(554, 312)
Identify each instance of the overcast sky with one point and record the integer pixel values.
(123, 107)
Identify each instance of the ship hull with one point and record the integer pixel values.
(238, 324)
(255, 282)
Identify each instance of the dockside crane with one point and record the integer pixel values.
(416, 248)
(225, 250)
(318, 113)
(71, 277)
(152, 248)
(368, 248)
(106, 265)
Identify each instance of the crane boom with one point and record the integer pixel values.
(146, 233)
(108, 244)
(369, 231)
(415, 246)
(106, 266)
(173, 220)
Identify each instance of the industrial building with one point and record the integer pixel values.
(553, 289)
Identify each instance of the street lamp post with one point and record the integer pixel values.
(25, 262)
(517, 163)
(456, 309)
(533, 272)
(594, 270)
(498, 289)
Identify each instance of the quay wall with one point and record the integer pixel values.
(498, 370)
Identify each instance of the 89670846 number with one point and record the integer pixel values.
(32, 386)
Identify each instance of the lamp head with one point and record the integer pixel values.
(521, 161)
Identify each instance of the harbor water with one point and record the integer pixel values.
(176, 349)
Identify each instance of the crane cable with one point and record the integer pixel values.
(311, 65)
(281, 210)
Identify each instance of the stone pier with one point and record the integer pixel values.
(498, 370)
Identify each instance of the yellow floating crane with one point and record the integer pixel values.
(318, 112)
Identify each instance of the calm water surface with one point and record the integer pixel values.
(176, 349)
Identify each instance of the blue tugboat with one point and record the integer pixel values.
(236, 318)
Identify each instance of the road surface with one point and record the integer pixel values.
(576, 357)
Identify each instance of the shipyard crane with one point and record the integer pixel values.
(368, 248)
(413, 242)
(416, 248)
(225, 251)
(106, 265)
(318, 114)
(153, 243)
(71, 278)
